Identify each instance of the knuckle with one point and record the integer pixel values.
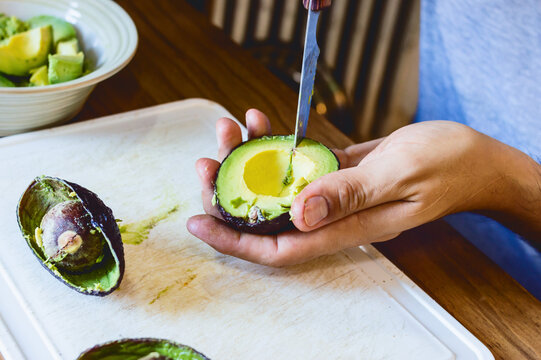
(350, 195)
(272, 257)
(361, 222)
(276, 260)
(286, 253)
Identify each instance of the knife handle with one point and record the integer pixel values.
(317, 4)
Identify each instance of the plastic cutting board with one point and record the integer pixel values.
(352, 305)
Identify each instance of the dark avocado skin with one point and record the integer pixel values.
(102, 217)
(124, 347)
(265, 227)
(260, 227)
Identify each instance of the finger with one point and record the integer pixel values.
(352, 155)
(380, 223)
(258, 124)
(206, 170)
(228, 135)
(342, 158)
(376, 224)
(344, 192)
(255, 248)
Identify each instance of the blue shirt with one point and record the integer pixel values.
(480, 65)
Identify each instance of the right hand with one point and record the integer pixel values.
(317, 4)
(420, 173)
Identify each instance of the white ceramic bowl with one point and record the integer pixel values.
(108, 38)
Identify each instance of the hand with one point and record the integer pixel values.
(417, 174)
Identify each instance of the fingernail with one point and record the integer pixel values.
(315, 210)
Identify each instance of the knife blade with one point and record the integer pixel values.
(308, 73)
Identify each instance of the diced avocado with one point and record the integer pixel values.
(62, 30)
(25, 51)
(64, 68)
(257, 183)
(68, 47)
(5, 82)
(10, 25)
(39, 76)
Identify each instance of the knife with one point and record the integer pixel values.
(309, 65)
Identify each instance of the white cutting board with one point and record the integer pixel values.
(352, 305)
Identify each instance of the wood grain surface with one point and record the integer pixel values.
(181, 56)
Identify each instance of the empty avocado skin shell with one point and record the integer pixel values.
(104, 218)
(261, 227)
(101, 216)
(136, 348)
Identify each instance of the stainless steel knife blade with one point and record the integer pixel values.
(308, 73)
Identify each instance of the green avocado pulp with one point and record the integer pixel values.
(263, 174)
(141, 349)
(43, 196)
(137, 232)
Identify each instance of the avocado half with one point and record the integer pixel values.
(258, 181)
(141, 349)
(73, 234)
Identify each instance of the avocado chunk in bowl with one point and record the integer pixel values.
(45, 45)
(258, 181)
(62, 30)
(141, 349)
(73, 234)
(24, 51)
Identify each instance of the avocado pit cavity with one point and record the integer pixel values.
(257, 183)
(271, 173)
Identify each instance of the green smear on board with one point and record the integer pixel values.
(137, 232)
(182, 283)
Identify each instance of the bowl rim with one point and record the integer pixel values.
(88, 79)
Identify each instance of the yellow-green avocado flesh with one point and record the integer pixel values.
(25, 51)
(256, 183)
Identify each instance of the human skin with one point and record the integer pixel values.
(415, 175)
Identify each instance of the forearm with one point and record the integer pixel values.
(518, 203)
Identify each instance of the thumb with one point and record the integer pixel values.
(344, 192)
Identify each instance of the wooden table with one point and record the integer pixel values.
(182, 56)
